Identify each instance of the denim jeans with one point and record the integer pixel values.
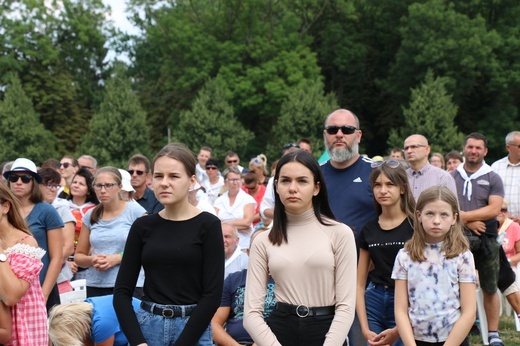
(158, 330)
(379, 302)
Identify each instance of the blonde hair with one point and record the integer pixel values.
(260, 162)
(455, 242)
(69, 324)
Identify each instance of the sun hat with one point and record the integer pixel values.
(24, 165)
(125, 181)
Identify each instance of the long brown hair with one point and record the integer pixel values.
(14, 216)
(397, 176)
(181, 153)
(455, 242)
(97, 212)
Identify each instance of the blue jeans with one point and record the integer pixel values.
(379, 302)
(158, 330)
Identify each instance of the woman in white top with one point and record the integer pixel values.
(236, 207)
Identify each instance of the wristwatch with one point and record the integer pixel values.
(3, 257)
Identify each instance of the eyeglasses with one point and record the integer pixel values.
(232, 161)
(107, 187)
(389, 163)
(503, 210)
(346, 130)
(64, 164)
(210, 168)
(290, 145)
(414, 146)
(53, 186)
(132, 171)
(514, 145)
(236, 180)
(13, 178)
(87, 167)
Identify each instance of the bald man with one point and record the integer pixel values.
(422, 175)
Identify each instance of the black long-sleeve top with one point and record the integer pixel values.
(183, 263)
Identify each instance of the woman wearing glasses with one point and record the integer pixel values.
(105, 229)
(235, 206)
(379, 241)
(43, 221)
(310, 256)
(258, 165)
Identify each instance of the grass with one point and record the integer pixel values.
(507, 331)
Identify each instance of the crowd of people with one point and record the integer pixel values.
(198, 250)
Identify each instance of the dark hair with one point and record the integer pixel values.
(89, 179)
(97, 212)
(51, 163)
(230, 154)
(453, 155)
(140, 159)
(320, 202)
(478, 136)
(212, 161)
(399, 178)
(306, 141)
(179, 152)
(250, 177)
(49, 175)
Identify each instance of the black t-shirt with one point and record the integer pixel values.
(383, 246)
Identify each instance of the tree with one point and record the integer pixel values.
(302, 116)
(21, 133)
(431, 113)
(119, 130)
(212, 122)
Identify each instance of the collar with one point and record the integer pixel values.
(467, 189)
(422, 171)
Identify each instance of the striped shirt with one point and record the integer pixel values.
(510, 174)
(427, 177)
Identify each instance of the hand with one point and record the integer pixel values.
(100, 262)
(477, 227)
(73, 266)
(385, 338)
(368, 334)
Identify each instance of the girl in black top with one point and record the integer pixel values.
(379, 241)
(182, 253)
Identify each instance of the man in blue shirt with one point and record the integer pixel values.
(139, 169)
(348, 185)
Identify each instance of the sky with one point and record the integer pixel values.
(119, 16)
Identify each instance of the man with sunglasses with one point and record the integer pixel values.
(232, 159)
(421, 174)
(508, 168)
(139, 169)
(348, 185)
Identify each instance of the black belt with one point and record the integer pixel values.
(169, 311)
(304, 311)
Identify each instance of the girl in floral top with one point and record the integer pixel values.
(435, 275)
(20, 265)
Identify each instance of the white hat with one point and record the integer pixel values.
(24, 165)
(125, 180)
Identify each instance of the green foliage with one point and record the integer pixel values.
(21, 133)
(119, 130)
(431, 113)
(302, 116)
(212, 122)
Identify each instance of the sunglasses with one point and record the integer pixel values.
(389, 163)
(132, 171)
(107, 187)
(290, 145)
(346, 130)
(232, 161)
(503, 210)
(13, 178)
(64, 164)
(210, 168)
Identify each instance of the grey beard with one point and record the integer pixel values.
(343, 154)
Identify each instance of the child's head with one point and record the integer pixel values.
(437, 219)
(69, 324)
(394, 171)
